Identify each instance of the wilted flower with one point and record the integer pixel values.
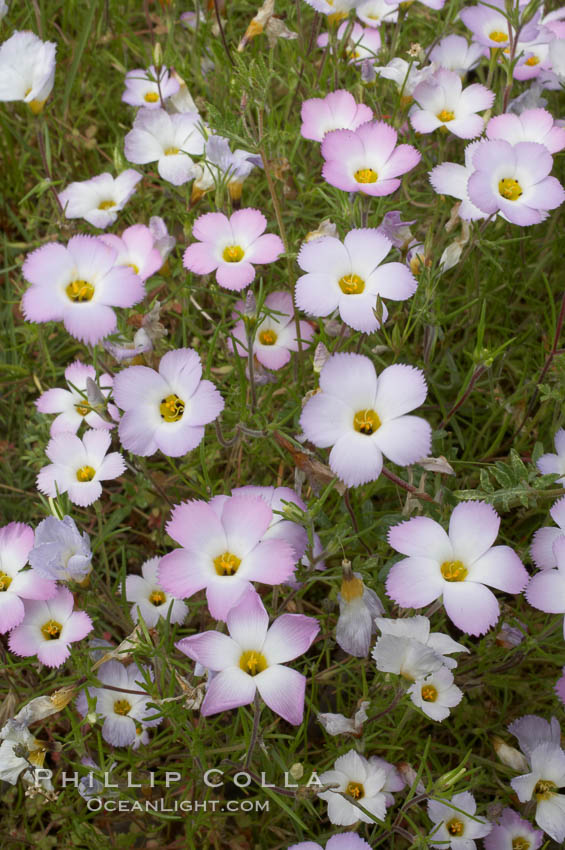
(99, 199)
(223, 550)
(165, 410)
(456, 566)
(149, 598)
(337, 724)
(17, 584)
(221, 165)
(367, 159)
(252, 659)
(275, 334)
(162, 239)
(358, 607)
(453, 826)
(16, 738)
(78, 284)
(363, 416)
(78, 466)
(357, 780)
(407, 648)
(72, 404)
(336, 111)
(124, 713)
(27, 69)
(351, 277)
(231, 247)
(149, 88)
(60, 551)
(48, 628)
(168, 140)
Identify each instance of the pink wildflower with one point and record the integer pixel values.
(72, 404)
(441, 101)
(135, 249)
(149, 89)
(275, 336)
(17, 584)
(336, 111)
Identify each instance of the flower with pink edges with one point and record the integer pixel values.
(546, 590)
(17, 584)
(350, 276)
(491, 27)
(251, 659)
(223, 550)
(48, 627)
(336, 111)
(135, 249)
(405, 75)
(451, 178)
(441, 101)
(431, 4)
(343, 841)
(150, 600)
(275, 334)
(533, 56)
(78, 284)
(367, 159)
(148, 88)
(78, 466)
(456, 566)
(541, 549)
(232, 247)
(511, 831)
(72, 404)
(166, 410)
(99, 199)
(363, 416)
(362, 43)
(514, 179)
(532, 125)
(455, 54)
(168, 140)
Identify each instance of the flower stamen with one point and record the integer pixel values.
(351, 284)
(80, 291)
(51, 630)
(85, 473)
(454, 571)
(509, 188)
(366, 175)
(252, 662)
(5, 581)
(366, 422)
(171, 408)
(267, 337)
(226, 564)
(355, 790)
(232, 254)
(122, 706)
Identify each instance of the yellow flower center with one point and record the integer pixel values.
(455, 826)
(122, 706)
(134, 267)
(226, 564)
(454, 571)
(151, 97)
(366, 422)
(351, 284)
(106, 205)
(544, 789)
(446, 115)
(429, 693)
(51, 630)
(509, 188)
(355, 790)
(351, 589)
(171, 151)
(85, 473)
(268, 337)
(252, 662)
(532, 60)
(82, 409)
(498, 36)
(520, 843)
(157, 597)
(5, 581)
(232, 254)
(366, 175)
(171, 408)
(79, 291)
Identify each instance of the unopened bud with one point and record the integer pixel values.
(510, 756)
